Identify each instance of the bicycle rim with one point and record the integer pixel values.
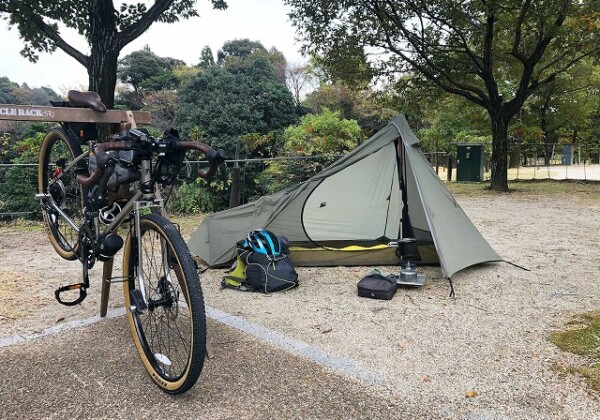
(170, 333)
(57, 151)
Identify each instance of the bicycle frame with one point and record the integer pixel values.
(135, 204)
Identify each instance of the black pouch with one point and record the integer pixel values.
(376, 286)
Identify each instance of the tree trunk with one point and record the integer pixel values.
(102, 68)
(103, 75)
(546, 131)
(515, 156)
(499, 160)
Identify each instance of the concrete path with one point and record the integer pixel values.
(94, 372)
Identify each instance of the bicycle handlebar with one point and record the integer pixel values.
(214, 157)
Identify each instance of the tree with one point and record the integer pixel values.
(236, 55)
(494, 53)
(563, 108)
(107, 31)
(13, 132)
(207, 58)
(365, 106)
(240, 95)
(298, 79)
(326, 133)
(453, 120)
(326, 136)
(162, 104)
(6, 90)
(144, 70)
(239, 48)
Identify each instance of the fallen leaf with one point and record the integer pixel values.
(426, 378)
(328, 330)
(471, 394)
(401, 344)
(60, 319)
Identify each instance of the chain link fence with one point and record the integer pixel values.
(256, 177)
(531, 161)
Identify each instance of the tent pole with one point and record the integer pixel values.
(406, 226)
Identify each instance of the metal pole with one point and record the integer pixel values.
(234, 198)
(437, 165)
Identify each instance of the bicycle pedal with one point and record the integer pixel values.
(137, 301)
(81, 287)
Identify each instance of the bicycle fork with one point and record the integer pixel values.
(139, 297)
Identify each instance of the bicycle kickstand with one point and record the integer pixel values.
(106, 279)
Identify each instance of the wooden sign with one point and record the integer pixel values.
(61, 114)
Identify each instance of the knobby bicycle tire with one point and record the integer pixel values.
(66, 192)
(175, 305)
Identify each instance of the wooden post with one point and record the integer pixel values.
(63, 114)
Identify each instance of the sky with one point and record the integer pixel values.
(261, 20)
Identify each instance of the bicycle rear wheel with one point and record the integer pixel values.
(166, 317)
(58, 182)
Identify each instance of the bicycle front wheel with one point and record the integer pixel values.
(164, 303)
(57, 180)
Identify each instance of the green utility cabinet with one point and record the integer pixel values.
(469, 162)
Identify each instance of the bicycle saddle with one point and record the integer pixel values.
(86, 99)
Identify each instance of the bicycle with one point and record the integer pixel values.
(86, 195)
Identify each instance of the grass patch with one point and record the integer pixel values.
(187, 223)
(583, 338)
(23, 225)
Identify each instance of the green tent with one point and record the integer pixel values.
(383, 190)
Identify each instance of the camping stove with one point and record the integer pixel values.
(409, 277)
(407, 250)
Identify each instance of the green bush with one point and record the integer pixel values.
(18, 184)
(191, 198)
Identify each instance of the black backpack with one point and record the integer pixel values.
(255, 271)
(269, 274)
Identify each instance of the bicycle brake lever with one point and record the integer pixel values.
(215, 157)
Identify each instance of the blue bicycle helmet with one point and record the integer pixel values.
(263, 242)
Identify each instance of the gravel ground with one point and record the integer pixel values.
(482, 355)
